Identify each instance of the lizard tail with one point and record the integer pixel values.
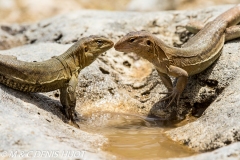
(231, 16)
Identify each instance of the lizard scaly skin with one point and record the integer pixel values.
(60, 72)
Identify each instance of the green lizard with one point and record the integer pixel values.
(195, 56)
(60, 72)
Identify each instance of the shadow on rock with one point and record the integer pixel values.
(39, 100)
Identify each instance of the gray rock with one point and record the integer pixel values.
(11, 36)
(118, 82)
(231, 152)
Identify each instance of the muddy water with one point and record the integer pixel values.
(132, 137)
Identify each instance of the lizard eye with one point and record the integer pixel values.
(85, 49)
(149, 42)
(99, 42)
(131, 40)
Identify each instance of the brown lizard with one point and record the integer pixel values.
(193, 57)
(60, 72)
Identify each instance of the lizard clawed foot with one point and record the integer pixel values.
(74, 124)
(71, 115)
(174, 95)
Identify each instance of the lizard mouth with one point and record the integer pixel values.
(106, 46)
(117, 46)
(122, 48)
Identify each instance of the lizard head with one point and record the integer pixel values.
(140, 42)
(93, 46)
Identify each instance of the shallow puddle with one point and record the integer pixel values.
(132, 137)
(143, 143)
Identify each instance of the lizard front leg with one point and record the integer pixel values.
(68, 99)
(166, 81)
(182, 77)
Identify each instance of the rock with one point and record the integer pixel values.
(219, 125)
(231, 152)
(151, 5)
(11, 36)
(119, 82)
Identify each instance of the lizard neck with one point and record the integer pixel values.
(73, 58)
(160, 51)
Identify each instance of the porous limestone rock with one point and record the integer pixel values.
(230, 152)
(219, 125)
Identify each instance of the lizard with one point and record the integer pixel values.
(60, 72)
(196, 55)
